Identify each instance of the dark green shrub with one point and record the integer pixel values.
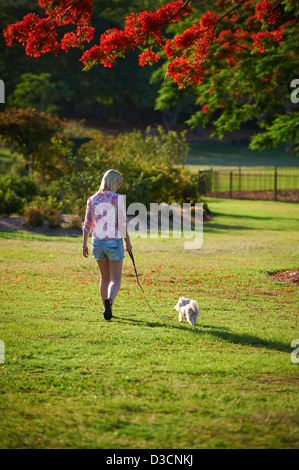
(25, 187)
(13, 204)
(2, 202)
(54, 218)
(33, 217)
(151, 165)
(42, 209)
(15, 193)
(76, 222)
(204, 181)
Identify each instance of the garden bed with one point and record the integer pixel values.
(16, 224)
(290, 276)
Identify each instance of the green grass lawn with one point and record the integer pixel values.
(72, 380)
(255, 179)
(224, 155)
(252, 170)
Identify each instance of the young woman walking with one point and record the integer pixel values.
(106, 216)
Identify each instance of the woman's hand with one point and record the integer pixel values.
(128, 246)
(85, 251)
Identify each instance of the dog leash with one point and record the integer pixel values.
(133, 261)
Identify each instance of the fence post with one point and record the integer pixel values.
(230, 184)
(239, 178)
(204, 181)
(275, 183)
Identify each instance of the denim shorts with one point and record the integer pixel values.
(111, 249)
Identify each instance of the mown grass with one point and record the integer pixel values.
(72, 380)
(257, 179)
(224, 155)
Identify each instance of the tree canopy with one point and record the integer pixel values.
(38, 137)
(239, 57)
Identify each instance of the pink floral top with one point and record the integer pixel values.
(106, 215)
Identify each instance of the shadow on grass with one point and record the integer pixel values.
(220, 332)
(212, 226)
(245, 339)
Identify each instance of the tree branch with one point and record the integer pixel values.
(232, 9)
(179, 10)
(221, 18)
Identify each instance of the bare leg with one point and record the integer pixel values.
(105, 278)
(115, 269)
(110, 278)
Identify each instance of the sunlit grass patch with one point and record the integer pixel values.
(72, 380)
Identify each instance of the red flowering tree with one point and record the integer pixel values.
(200, 48)
(250, 73)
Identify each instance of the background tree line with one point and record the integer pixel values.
(63, 170)
(60, 159)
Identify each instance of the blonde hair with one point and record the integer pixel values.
(109, 180)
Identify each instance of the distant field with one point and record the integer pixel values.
(255, 179)
(223, 155)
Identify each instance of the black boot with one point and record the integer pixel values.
(108, 309)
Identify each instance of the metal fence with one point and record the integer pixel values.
(241, 180)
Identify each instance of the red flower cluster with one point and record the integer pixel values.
(190, 49)
(39, 35)
(233, 44)
(205, 109)
(30, 32)
(140, 29)
(113, 43)
(148, 57)
(186, 53)
(67, 11)
(265, 38)
(209, 20)
(84, 32)
(186, 40)
(185, 73)
(266, 12)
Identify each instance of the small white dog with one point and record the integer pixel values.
(188, 309)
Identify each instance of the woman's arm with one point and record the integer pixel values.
(128, 241)
(86, 229)
(123, 222)
(84, 244)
